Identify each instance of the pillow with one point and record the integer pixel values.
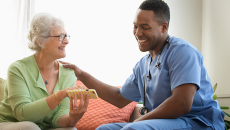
(2, 86)
(100, 112)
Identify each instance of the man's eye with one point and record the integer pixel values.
(146, 28)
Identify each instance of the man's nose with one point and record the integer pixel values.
(138, 32)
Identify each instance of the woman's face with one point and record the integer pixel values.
(54, 48)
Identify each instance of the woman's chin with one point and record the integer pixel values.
(61, 56)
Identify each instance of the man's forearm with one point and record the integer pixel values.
(169, 109)
(177, 105)
(107, 92)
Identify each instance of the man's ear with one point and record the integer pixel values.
(164, 27)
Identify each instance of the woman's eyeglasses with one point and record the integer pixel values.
(62, 37)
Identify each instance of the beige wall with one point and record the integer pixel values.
(206, 24)
(216, 43)
(186, 20)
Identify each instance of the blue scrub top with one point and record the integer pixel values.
(182, 63)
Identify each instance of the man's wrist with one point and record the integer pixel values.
(81, 75)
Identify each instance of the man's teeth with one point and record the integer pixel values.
(141, 41)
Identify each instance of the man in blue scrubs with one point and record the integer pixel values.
(178, 89)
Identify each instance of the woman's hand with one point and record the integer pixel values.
(76, 112)
(52, 100)
(73, 88)
(77, 70)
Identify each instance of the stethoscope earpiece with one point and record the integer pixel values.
(143, 110)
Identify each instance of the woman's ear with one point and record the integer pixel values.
(36, 41)
(164, 27)
(39, 43)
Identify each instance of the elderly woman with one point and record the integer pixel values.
(35, 94)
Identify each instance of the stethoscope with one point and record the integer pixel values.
(143, 110)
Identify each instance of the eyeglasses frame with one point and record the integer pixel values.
(65, 35)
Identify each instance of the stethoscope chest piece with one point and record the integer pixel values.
(143, 110)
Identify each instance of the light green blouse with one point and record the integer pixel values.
(25, 94)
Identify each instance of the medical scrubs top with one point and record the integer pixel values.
(181, 63)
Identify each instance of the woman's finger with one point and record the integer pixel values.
(81, 87)
(81, 101)
(86, 101)
(75, 102)
(75, 87)
(71, 102)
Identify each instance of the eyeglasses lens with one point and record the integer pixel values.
(62, 37)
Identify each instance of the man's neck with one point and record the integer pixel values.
(157, 49)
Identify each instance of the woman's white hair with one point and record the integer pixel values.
(40, 28)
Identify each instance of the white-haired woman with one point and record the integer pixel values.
(35, 94)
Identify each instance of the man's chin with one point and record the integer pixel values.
(142, 49)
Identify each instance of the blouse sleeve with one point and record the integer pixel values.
(20, 98)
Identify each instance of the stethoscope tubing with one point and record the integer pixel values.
(144, 110)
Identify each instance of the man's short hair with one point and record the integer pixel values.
(160, 9)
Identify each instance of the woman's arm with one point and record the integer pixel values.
(28, 101)
(26, 98)
(52, 100)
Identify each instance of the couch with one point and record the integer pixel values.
(98, 112)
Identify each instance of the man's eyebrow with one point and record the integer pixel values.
(144, 24)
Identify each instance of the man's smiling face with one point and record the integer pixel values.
(147, 30)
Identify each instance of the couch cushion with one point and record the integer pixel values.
(100, 112)
(2, 86)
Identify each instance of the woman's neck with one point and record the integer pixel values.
(44, 62)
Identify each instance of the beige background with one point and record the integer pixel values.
(205, 24)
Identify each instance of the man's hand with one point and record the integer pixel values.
(179, 104)
(77, 70)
